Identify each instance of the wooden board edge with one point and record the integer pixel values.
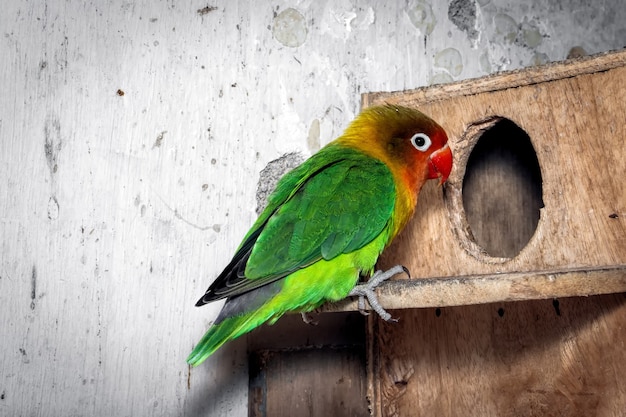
(503, 80)
(372, 366)
(483, 289)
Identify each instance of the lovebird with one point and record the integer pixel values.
(327, 222)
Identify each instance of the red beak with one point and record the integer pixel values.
(440, 164)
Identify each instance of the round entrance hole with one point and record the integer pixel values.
(502, 189)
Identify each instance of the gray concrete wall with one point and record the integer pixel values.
(132, 135)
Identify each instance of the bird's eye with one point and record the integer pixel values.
(421, 142)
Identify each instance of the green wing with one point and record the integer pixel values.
(336, 202)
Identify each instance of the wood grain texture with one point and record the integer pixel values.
(561, 357)
(505, 159)
(501, 81)
(299, 369)
(317, 382)
(576, 125)
(535, 358)
(489, 288)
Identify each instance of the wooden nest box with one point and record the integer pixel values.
(534, 210)
(535, 206)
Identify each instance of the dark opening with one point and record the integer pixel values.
(502, 190)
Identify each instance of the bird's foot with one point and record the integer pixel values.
(306, 317)
(367, 290)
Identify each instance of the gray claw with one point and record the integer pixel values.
(367, 290)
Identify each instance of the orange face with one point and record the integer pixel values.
(424, 146)
(413, 146)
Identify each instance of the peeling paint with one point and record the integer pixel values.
(530, 36)
(53, 208)
(440, 78)
(463, 14)
(52, 143)
(33, 287)
(450, 59)
(506, 27)
(342, 19)
(485, 63)
(159, 139)
(576, 52)
(313, 139)
(539, 58)
(206, 10)
(422, 17)
(271, 174)
(290, 28)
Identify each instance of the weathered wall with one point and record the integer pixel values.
(132, 135)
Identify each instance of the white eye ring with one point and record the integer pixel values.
(421, 142)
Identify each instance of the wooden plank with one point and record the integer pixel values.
(501, 81)
(298, 369)
(582, 180)
(562, 358)
(559, 357)
(316, 382)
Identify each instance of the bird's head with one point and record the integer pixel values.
(412, 144)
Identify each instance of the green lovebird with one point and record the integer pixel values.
(327, 222)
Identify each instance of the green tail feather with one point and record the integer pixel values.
(216, 336)
(228, 329)
(332, 280)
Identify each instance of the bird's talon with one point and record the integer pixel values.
(367, 290)
(406, 271)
